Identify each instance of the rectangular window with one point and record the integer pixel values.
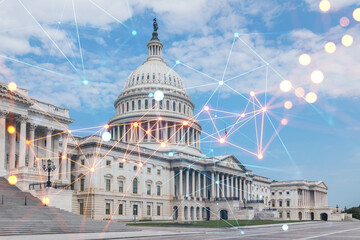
(108, 185)
(82, 162)
(82, 184)
(121, 209)
(133, 105)
(121, 186)
(139, 104)
(288, 214)
(288, 203)
(158, 172)
(280, 204)
(135, 210)
(280, 193)
(158, 211)
(121, 165)
(108, 163)
(107, 208)
(273, 204)
(287, 192)
(148, 189)
(272, 193)
(148, 170)
(148, 210)
(280, 214)
(158, 190)
(81, 208)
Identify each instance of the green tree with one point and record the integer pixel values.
(355, 211)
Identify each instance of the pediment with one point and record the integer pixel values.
(232, 162)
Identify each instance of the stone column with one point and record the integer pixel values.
(3, 116)
(64, 159)
(212, 185)
(31, 145)
(193, 182)
(187, 184)
(217, 185)
(181, 182)
(203, 186)
(141, 133)
(235, 187)
(49, 153)
(12, 145)
(22, 142)
(166, 137)
(157, 131)
(172, 183)
(222, 188)
(198, 184)
(231, 186)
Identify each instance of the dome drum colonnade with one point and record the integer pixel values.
(141, 118)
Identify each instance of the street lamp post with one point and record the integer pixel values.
(50, 167)
(337, 208)
(269, 204)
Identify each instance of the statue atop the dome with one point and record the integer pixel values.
(155, 25)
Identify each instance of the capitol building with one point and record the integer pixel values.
(151, 167)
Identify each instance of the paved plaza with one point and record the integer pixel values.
(313, 230)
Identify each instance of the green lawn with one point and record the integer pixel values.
(210, 224)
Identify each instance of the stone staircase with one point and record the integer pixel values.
(16, 218)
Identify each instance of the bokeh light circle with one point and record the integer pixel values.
(12, 86)
(330, 47)
(45, 200)
(356, 14)
(284, 121)
(12, 180)
(11, 129)
(159, 95)
(317, 76)
(285, 227)
(285, 86)
(347, 40)
(106, 136)
(305, 59)
(288, 105)
(324, 5)
(311, 97)
(344, 21)
(300, 92)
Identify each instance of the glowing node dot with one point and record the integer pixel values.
(324, 5)
(285, 227)
(45, 200)
(159, 95)
(160, 118)
(135, 124)
(106, 136)
(252, 93)
(151, 95)
(285, 86)
(63, 157)
(85, 82)
(133, 32)
(147, 132)
(242, 232)
(69, 131)
(311, 97)
(206, 108)
(215, 116)
(284, 121)
(107, 126)
(242, 115)
(211, 150)
(141, 164)
(246, 173)
(162, 144)
(171, 154)
(344, 21)
(300, 92)
(260, 156)
(12, 86)
(288, 105)
(347, 40)
(92, 170)
(59, 22)
(221, 83)
(185, 123)
(11, 129)
(264, 109)
(305, 59)
(27, 142)
(177, 62)
(236, 34)
(356, 14)
(12, 180)
(124, 160)
(222, 140)
(330, 47)
(261, 197)
(317, 76)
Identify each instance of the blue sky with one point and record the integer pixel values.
(51, 48)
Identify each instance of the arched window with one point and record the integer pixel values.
(160, 104)
(135, 186)
(137, 78)
(148, 77)
(174, 106)
(179, 107)
(184, 108)
(146, 104)
(153, 104)
(167, 105)
(133, 80)
(133, 105)
(164, 77)
(170, 79)
(139, 104)
(122, 108)
(127, 106)
(142, 77)
(154, 76)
